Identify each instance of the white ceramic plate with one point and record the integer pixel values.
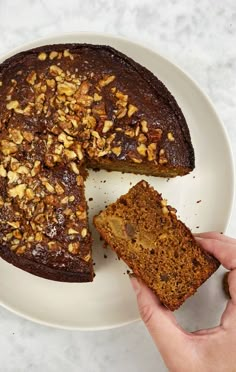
(109, 301)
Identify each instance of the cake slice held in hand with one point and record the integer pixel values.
(145, 232)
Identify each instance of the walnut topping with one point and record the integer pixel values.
(107, 126)
(106, 81)
(84, 232)
(73, 248)
(52, 246)
(18, 190)
(116, 150)
(165, 210)
(65, 200)
(162, 157)
(8, 147)
(129, 133)
(142, 149)
(66, 88)
(55, 70)
(31, 78)
(79, 180)
(137, 130)
(87, 258)
(122, 97)
(29, 194)
(23, 170)
(28, 136)
(97, 97)
(170, 137)
(51, 83)
(53, 55)
(74, 167)
(67, 53)
(13, 105)
(134, 157)
(16, 136)
(121, 113)
(3, 172)
(49, 187)
(12, 176)
(72, 231)
(15, 224)
(36, 168)
(78, 151)
(20, 250)
(17, 234)
(163, 202)
(151, 151)
(142, 138)
(144, 126)
(1, 83)
(38, 237)
(131, 110)
(71, 155)
(59, 189)
(42, 56)
(67, 140)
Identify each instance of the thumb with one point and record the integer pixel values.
(168, 336)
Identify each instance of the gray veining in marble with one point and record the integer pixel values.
(199, 36)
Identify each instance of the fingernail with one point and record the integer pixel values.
(135, 283)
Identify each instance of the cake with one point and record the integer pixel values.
(65, 109)
(145, 232)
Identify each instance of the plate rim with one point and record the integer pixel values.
(153, 49)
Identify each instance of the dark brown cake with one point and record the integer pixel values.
(145, 232)
(64, 108)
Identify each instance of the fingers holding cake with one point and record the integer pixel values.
(221, 247)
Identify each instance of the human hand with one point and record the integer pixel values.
(209, 350)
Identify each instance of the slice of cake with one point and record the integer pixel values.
(145, 232)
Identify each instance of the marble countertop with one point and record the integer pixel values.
(197, 35)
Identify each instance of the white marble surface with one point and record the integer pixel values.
(200, 36)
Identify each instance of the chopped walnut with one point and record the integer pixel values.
(116, 150)
(170, 137)
(42, 56)
(3, 172)
(151, 151)
(66, 88)
(53, 55)
(18, 190)
(31, 78)
(142, 149)
(73, 248)
(74, 167)
(131, 110)
(144, 126)
(107, 126)
(67, 53)
(72, 231)
(97, 97)
(16, 136)
(12, 105)
(106, 81)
